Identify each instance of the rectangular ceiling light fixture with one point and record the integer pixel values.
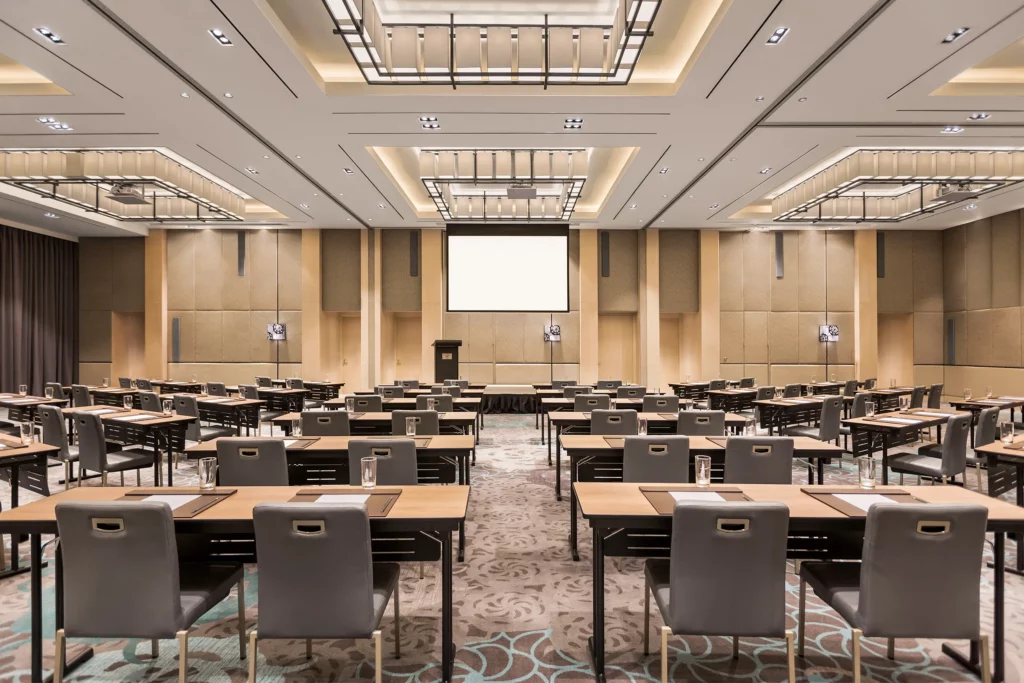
(777, 37)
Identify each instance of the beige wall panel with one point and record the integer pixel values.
(729, 371)
(94, 330)
(960, 336)
(521, 373)
(781, 375)
(262, 269)
(568, 350)
(731, 337)
(508, 338)
(128, 264)
(979, 337)
(842, 352)
(1006, 342)
(679, 271)
(758, 371)
(784, 337)
(209, 270)
(617, 347)
(1006, 271)
(757, 271)
(896, 289)
(235, 340)
(689, 346)
(954, 378)
(186, 335)
(895, 348)
(619, 292)
(954, 269)
(408, 355)
(289, 270)
(535, 350)
(1003, 381)
(811, 350)
(285, 370)
(1020, 257)
(928, 349)
(128, 344)
(481, 338)
(669, 347)
(290, 349)
(93, 373)
(209, 337)
(456, 326)
(181, 270)
(785, 290)
(340, 270)
(928, 375)
(477, 373)
(731, 274)
(261, 349)
(228, 373)
(812, 271)
(95, 274)
(234, 287)
(979, 265)
(567, 371)
(400, 291)
(574, 274)
(351, 349)
(927, 270)
(755, 337)
(839, 275)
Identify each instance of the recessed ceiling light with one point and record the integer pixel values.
(662, 220)
(759, 98)
(572, 126)
(970, 207)
(266, 156)
(303, 206)
(49, 35)
(349, 171)
(952, 130)
(298, 156)
(185, 95)
(250, 169)
(315, 194)
(776, 38)
(369, 219)
(219, 36)
(428, 119)
(979, 116)
(714, 206)
(700, 159)
(664, 196)
(766, 170)
(348, 219)
(802, 99)
(46, 119)
(380, 206)
(430, 126)
(228, 95)
(60, 126)
(632, 206)
(691, 196)
(950, 38)
(49, 214)
(663, 171)
(732, 158)
(574, 120)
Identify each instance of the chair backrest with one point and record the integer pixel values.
(562, 383)
(616, 422)
(717, 384)
(294, 383)
(935, 396)
(408, 383)
(831, 418)
(186, 404)
(143, 385)
(746, 383)
(58, 389)
(730, 548)
(792, 391)
(316, 571)
(426, 422)
(251, 462)
(445, 403)
(584, 403)
(120, 570)
(454, 392)
(369, 403)
(325, 423)
(249, 392)
(609, 384)
(80, 396)
(663, 459)
(388, 391)
(860, 405)
(396, 461)
(659, 403)
(150, 400)
(701, 423)
(460, 383)
(575, 390)
(262, 381)
(759, 460)
(917, 397)
(954, 445)
(870, 382)
(913, 553)
(124, 382)
(632, 391)
(92, 445)
(765, 393)
(985, 432)
(850, 388)
(55, 432)
(216, 389)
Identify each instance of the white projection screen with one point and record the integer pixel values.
(496, 269)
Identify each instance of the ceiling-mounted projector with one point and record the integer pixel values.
(127, 193)
(521, 191)
(963, 191)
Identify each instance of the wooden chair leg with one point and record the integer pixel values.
(856, 635)
(986, 673)
(154, 646)
(59, 652)
(665, 632)
(735, 647)
(791, 655)
(378, 657)
(890, 648)
(309, 648)
(182, 637)
(252, 660)
(241, 618)
(801, 618)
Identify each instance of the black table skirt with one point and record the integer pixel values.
(509, 403)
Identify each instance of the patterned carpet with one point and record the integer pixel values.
(522, 609)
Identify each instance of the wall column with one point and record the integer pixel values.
(432, 307)
(650, 309)
(370, 307)
(312, 289)
(156, 304)
(588, 306)
(710, 307)
(865, 303)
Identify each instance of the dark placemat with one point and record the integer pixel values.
(378, 504)
(205, 501)
(615, 441)
(829, 498)
(12, 444)
(660, 497)
(302, 442)
(718, 440)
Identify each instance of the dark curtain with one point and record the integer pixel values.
(38, 310)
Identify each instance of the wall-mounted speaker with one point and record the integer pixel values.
(175, 340)
(880, 246)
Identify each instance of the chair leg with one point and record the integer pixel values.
(103, 479)
(138, 477)
(309, 648)
(856, 634)
(665, 632)
(59, 651)
(986, 673)
(901, 479)
(154, 646)
(182, 637)
(735, 647)
(801, 618)
(647, 618)
(421, 570)
(252, 660)
(398, 621)
(890, 648)
(241, 618)
(791, 655)
(378, 656)
(122, 477)
(67, 474)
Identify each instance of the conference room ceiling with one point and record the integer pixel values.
(741, 120)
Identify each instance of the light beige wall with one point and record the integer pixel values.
(342, 270)
(618, 292)
(401, 291)
(432, 288)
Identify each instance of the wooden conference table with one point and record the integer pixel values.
(25, 467)
(622, 520)
(418, 528)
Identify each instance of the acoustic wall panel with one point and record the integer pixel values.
(979, 265)
(95, 274)
(812, 271)
(731, 337)
(508, 338)
(896, 289)
(730, 258)
(401, 290)
(263, 269)
(181, 270)
(928, 275)
(235, 288)
(235, 337)
(785, 290)
(679, 271)
(94, 342)
(954, 269)
(341, 270)
(811, 350)
(129, 274)
(928, 338)
(289, 270)
(755, 337)
(209, 336)
(979, 337)
(209, 275)
(757, 271)
(784, 337)
(1006, 271)
(1006, 337)
(186, 335)
(619, 292)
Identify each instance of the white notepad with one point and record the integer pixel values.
(288, 442)
(24, 400)
(901, 420)
(175, 500)
(707, 496)
(919, 413)
(215, 400)
(344, 498)
(863, 501)
(102, 412)
(138, 416)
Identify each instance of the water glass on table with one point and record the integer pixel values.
(106, 382)
(967, 394)
(866, 472)
(48, 392)
(27, 432)
(296, 427)
(749, 427)
(702, 465)
(869, 409)
(1006, 432)
(988, 392)
(207, 474)
(22, 389)
(410, 426)
(368, 468)
(641, 426)
(168, 406)
(127, 402)
(350, 404)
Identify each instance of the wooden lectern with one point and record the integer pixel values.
(446, 359)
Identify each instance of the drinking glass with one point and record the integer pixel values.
(814, 379)
(869, 409)
(202, 388)
(833, 377)
(967, 394)
(641, 426)
(168, 406)
(866, 472)
(48, 392)
(296, 427)
(106, 382)
(686, 379)
(207, 474)
(892, 383)
(193, 379)
(904, 402)
(127, 402)
(749, 427)
(779, 393)
(702, 464)
(988, 392)
(27, 429)
(327, 379)
(369, 472)
(410, 426)
(131, 383)
(431, 404)
(1006, 432)
(350, 404)
(22, 389)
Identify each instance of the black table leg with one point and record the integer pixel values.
(885, 458)
(972, 662)
(810, 474)
(36, 587)
(596, 642)
(572, 523)
(558, 463)
(170, 457)
(462, 541)
(447, 641)
(15, 538)
(821, 470)
(549, 440)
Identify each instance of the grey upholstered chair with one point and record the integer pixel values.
(325, 423)
(251, 462)
(857, 409)
(952, 454)
(701, 423)
(143, 384)
(758, 460)
(935, 396)
(368, 403)
(747, 382)
(660, 403)
(985, 432)
(252, 393)
(584, 403)
(318, 579)
(444, 402)
(57, 388)
(870, 382)
(850, 388)
(609, 384)
(613, 422)
(427, 423)
(792, 391)
(447, 390)
(294, 383)
(396, 461)
(717, 385)
(186, 404)
(656, 459)
(829, 421)
(576, 390)
(460, 383)
(389, 391)
(407, 383)
(562, 383)
(150, 400)
(124, 382)
(93, 455)
(123, 578)
(912, 553)
(216, 389)
(55, 433)
(917, 397)
(631, 391)
(262, 381)
(764, 393)
(80, 396)
(731, 548)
